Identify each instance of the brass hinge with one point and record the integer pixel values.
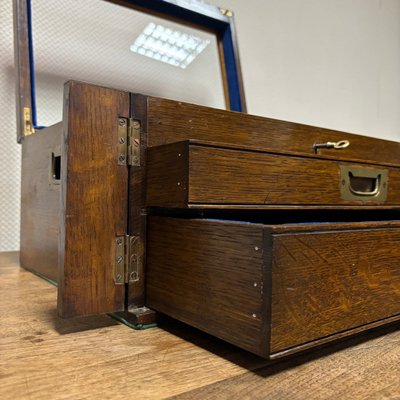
(128, 259)
(28, 125)
(128, 141)
(227, 13)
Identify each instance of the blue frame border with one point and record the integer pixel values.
(209, 17)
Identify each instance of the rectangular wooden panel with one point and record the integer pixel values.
(209, 275)
(167, 178)
(329, 282)
(22, 64)
(137, 194)
(94, 200)
(172, 121)
(40, 202)
(271, 289)
(189, 174)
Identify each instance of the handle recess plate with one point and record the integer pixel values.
(363, 184)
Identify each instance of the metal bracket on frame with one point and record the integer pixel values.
(28, 125)
(128, 141)
(128, 256)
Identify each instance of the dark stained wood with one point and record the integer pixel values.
(40, 203)
(302, 289)
(328, 282)
(94, 200)
(209, 275)
(184, 174)
(136, 201)
(288, 207)
(336, 336)
(167, 175)
(335, 226)
(171, 121)
(21, 48)
(136, 312)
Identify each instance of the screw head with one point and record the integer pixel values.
(119, 259)
(121, 140)
(343, 182)
(121, 157)
(135, 124)
(121, 122)
(119, 277)
(119, 241)
(133, 276)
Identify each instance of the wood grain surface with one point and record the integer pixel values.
(94, 200)
(313, 287)
(45, 357)
(172, 121)
(22, 63)
(183, 174)
(209, 275)
(40, 203)
(136, 202)
(329, 282)
(167, 179)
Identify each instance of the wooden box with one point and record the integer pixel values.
(118, 159)
(195, 174)
(274, 289)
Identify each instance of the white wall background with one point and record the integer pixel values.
(330, 63)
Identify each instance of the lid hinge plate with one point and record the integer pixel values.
(129, 141)
(128, 258)
(28, 125)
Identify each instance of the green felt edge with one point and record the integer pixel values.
(137, 327)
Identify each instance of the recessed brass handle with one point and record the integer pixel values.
(363, 184)
(341, 144)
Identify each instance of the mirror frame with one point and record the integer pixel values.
(195, 13)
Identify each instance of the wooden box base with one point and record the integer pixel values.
(274, 289)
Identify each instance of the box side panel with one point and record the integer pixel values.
(209, 275)
(167, 175)
(172, 121)
(326, 283)
(94, 200)
(40, 201)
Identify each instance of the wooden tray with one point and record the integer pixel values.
(202, 174)
(274, 289)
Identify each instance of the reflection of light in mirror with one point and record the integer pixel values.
(169, 46)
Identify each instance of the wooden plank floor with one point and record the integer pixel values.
(45, 357)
